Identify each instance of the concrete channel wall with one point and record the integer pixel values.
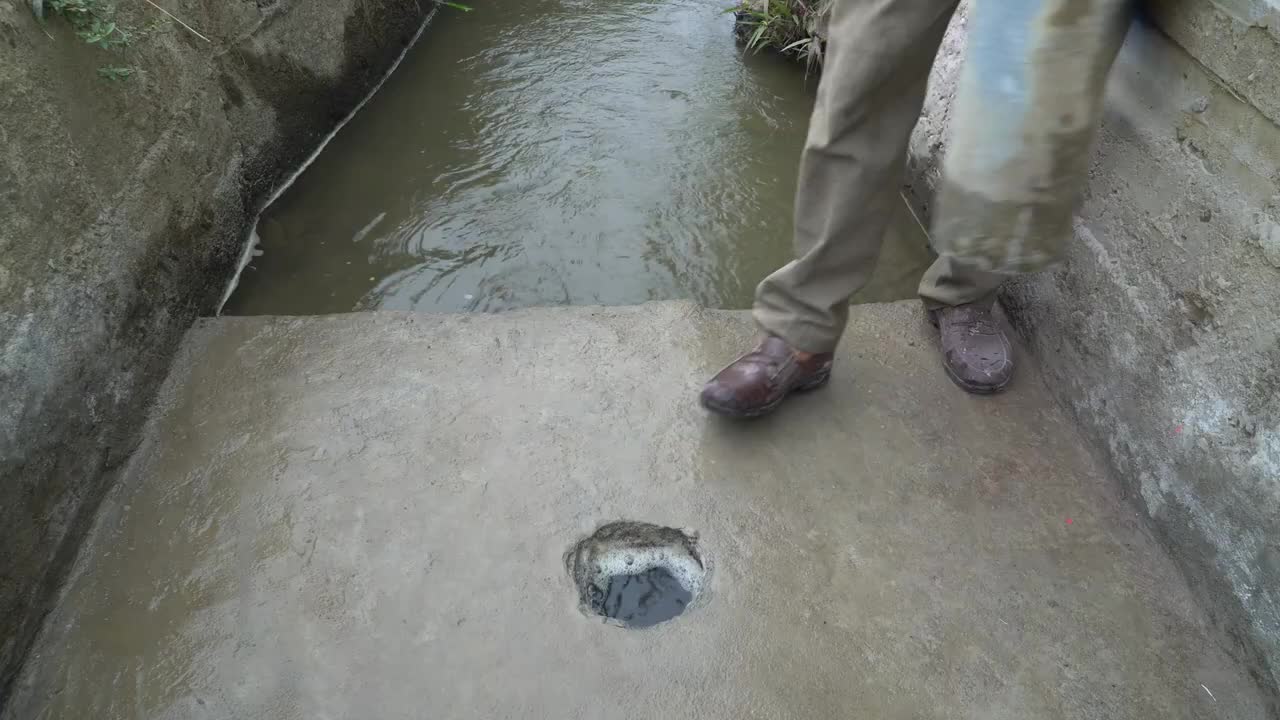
(123, 209)
(1161, 331)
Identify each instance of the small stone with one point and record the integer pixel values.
(1200, 105)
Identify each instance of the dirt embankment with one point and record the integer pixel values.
(123, 208)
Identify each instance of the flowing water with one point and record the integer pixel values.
(544, 152)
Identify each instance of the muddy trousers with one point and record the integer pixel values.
(879, 55)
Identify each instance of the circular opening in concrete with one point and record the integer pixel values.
(636, 574)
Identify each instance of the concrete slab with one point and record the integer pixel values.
(365, 516)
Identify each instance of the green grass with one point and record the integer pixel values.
(789, 27)
(116, 72)
(94, 22)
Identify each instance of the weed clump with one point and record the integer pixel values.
(789, 27)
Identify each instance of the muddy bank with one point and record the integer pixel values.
(1160, 332)
(123, 206)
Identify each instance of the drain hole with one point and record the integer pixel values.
(636, 574)
(642, 600)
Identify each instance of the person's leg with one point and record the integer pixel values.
(1019, 159)
(950, 281)
(878, 59)
(879, 53)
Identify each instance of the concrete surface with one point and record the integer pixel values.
(1237, 40)
(123, 208)
(1161, 332)
(365, 516)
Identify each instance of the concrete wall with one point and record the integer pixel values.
(1161, 332)
(1237, 40)
(123, 208)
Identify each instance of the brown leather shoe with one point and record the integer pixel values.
(975, 350)
(756, 383)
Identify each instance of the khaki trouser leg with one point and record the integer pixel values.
(950, 281)
(1019, 159)
(879, 54)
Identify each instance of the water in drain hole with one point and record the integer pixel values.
(641, 600)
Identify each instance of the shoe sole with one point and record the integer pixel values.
(810, 385)
(976, 389)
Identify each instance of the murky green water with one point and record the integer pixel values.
(555, 152)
